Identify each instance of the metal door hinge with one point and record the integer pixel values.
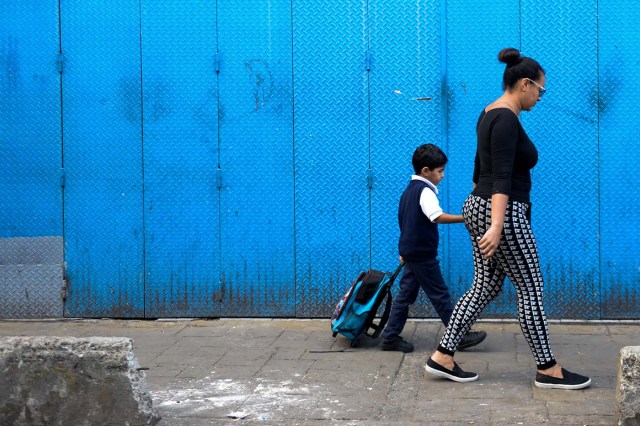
(62, 177)
(59, 62)
(216, 61)
(368, 61)
(63, 291)
(219, 178)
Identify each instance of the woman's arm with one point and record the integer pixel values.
(504, 138)
(491, 239)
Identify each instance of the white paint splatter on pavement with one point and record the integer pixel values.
(261, 398)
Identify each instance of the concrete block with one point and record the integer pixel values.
(72, 381)
(628, 386)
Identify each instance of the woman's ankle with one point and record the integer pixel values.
(555, 371)
(443, 359)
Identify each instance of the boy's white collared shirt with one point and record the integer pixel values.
(429, 199)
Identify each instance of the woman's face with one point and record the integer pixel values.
(532, 91)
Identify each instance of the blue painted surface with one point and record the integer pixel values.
(103, 215)
(256, 159)
(259, 182)
(181, 207)
(331, 148)
(564, 126)
(617, 97)
(30, 191)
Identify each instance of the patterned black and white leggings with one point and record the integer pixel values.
(516, 258)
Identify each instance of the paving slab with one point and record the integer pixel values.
(294, 372)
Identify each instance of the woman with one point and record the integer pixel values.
(497, 216)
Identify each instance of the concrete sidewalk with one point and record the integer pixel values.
(292, 372)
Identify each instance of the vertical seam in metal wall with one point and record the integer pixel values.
(221, 290)
(144, 228)
(598, 171)
(219, 171)
(293, 162)
(520, 25)
(62, 189)
(369, 180)
(444, 122)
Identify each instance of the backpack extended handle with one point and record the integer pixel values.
(397, 271)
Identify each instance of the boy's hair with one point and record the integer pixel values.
(428, 155)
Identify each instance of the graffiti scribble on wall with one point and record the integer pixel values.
(262, 81)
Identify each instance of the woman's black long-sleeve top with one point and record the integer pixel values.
(504, 157)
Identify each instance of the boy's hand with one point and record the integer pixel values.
(490, 241)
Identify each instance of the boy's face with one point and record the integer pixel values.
(434, 176)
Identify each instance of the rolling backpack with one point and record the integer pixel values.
(356, 311)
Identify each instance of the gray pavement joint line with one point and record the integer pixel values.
(390, 388)
(277, 337)
(269, 358)
(515, 347)
(258, 382)
(546, 409)
(182, 327)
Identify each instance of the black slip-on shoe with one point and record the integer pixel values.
(457, 374)
(472, 338)
(571, 381)
(397, 344)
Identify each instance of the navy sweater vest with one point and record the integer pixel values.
(418, 235)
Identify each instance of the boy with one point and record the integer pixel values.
(419, 215)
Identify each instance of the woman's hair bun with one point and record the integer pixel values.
(509, 56)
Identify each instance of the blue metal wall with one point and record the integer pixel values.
(331, 150)
(31, 248)
(180, 158)
(30, 191)
(246, 158)
(256, 159)
(616, 93)
(104, 231)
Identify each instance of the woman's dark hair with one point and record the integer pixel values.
(428, 155)
(518, 67)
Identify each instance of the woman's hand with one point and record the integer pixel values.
(490, 241)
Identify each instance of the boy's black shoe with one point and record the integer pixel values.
(397, 344)
(457, 374)
(570, 381)
(472, 338)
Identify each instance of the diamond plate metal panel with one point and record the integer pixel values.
(474, 78)
(102, 158)
(31, 276)
(256, 160)
(327, 179)
(30, 192)
(564, 127)
(180, 159)
(405, 47)
(331, 151)
(619, 84)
